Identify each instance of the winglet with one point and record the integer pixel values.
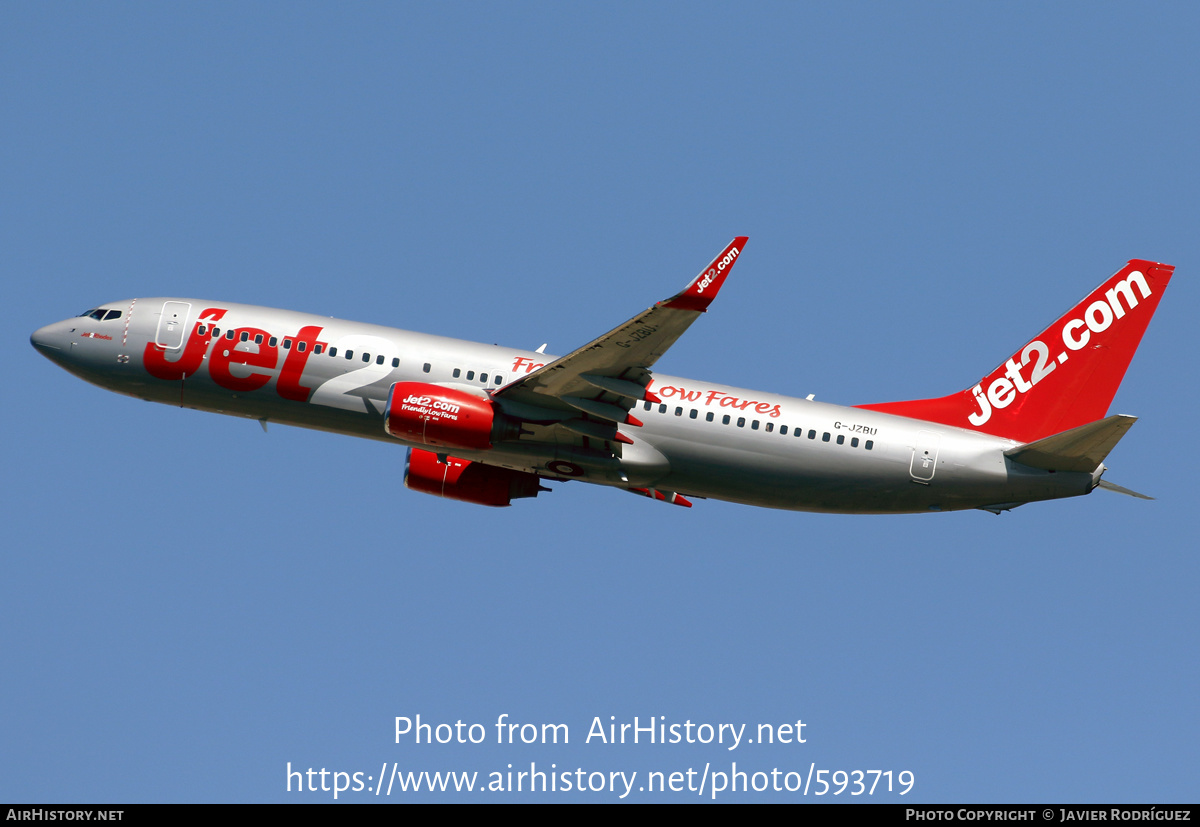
(704, 288)
(662, 496)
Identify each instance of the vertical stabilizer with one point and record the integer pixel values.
(1065, 377)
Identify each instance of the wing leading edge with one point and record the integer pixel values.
(603, 378)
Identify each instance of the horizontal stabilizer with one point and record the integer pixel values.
(1078, 449)
(1120, 489)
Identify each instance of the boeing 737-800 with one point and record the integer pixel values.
(489, 424)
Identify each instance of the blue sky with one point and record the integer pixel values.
(189, 604)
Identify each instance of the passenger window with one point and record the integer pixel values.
(499, 380)
(799, 433)
(782, 430)
(679, 411)
(854, 442)
(825, 436)
(708, 417)
(301, 346)
(332, 350)
(483, 378)
(457, 373)
(366, 357)
(770, 426)
(245, 336)
(754, 425)
(257, 338)
(349, 354)
(229, 334)
(662, 408)
(201, 329)
(216, 331)
(379, 359)
(287, 344)
(470, 375)
(869, 444)
(741, 422)
(841, 439)
(648, 405)
(812, 434)
(693, 414)
(272, 342)
(317, 349)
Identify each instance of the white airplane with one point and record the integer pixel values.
(488, 424)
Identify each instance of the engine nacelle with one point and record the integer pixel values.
(472, 482)
(441, 417)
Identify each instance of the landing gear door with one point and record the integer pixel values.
(924, 459)
(172, 324)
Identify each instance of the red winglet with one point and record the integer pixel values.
(662, 496)
(704, 288)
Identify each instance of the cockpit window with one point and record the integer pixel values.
(101, 315)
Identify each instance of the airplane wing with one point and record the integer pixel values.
(598, 383)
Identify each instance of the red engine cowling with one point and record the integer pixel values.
(472, 482)
(437, 416)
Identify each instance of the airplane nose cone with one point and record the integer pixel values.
(44, 338)
(51, 341)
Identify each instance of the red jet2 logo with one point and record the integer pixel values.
(1008, 381)
(223, 354)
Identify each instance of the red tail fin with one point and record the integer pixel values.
(1067, 376)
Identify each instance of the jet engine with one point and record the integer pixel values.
(472, 482)
(439, 417)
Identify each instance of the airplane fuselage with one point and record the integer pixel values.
(701, 439)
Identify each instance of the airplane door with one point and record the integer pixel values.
(172, 324)
(924, 459)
